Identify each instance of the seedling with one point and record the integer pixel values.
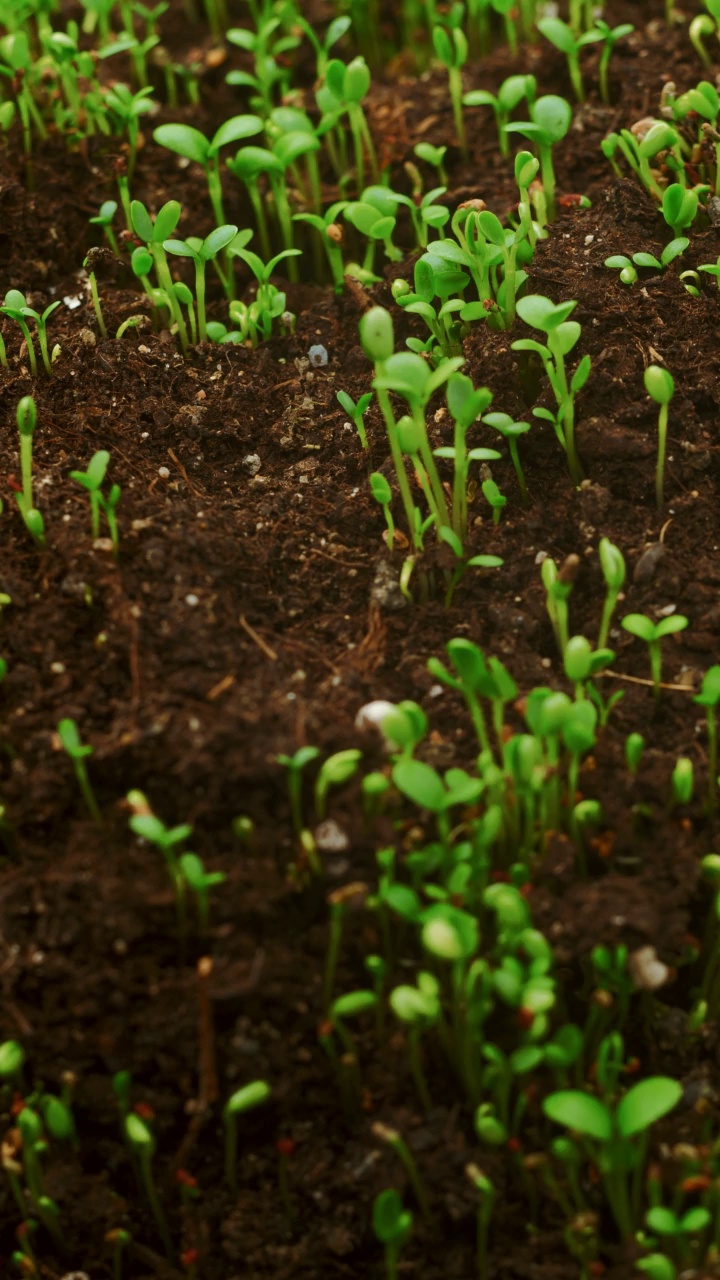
(486, 1198)
(634, 747)
(190, 143)
(434, 156)
(562, 335)
(558, 584)
(660, 385)
(12, 1060)
(682, 781)
(709, 697)
(119, 1241)
(331, 236)
(91, 480)
(550, 119)
(612, 564)
(382, 493)
(334, 771)
(509, 96)
(145, 824)
(679, 207)
(142, 1144)
(617, 1137)
(202, 253)
(451, 47)
(154, 234)
(610, 37)
(26, 416)
(256, 319)
(564, 39)
(511, 431)
(392, 1225)
(245, 1099)
(70, 739)
(395, 1140)
(652, 633)
(495, 498)
(201, 882)
(295, 766)
(356, 412)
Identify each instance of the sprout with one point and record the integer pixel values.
(207, 250)
(434, 156)
(509, 96)
(709, 697)
(562, 335)
(634, 747)
(679, 207)
(612, 564)
(392, 1225)
(660, 385)
(245, 1099)
(652, 633)
(610, 37)
(201, 882)
(334, 771)
(682, 781)
(26, 417)
(142, 1144)
(564, 39)
(550, 119)
(190, 143)
(511, 431)
(496, 499)
(12, 1060)
(70, 739)
(91, 480)
(395, 1140)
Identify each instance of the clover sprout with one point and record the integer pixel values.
(392, 1225)
(558, 584)
(634, 747)
(709, 697)
(356, 412)
(331, 235)
(12, 1060)
(609, 1133)
(511, 431)
(256, 319)
(495, 498)
(434, 156)
(206, 251)
(660, 385)
(154, 233)
(652, 633)
(562, 335)
(91, 480)
(682, 781)
(243, 1100)
(70, 738)
(610, 37)
(486, 1198)
(189, 142)
(612, 564)
(550, 119)
(142, 1145)
(334, 771)
(26, 417)
(201, 882)
(565, 39)
(509, 95)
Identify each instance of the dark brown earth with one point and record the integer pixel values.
(192, 701)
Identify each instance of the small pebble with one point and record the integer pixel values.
(192, 600)
(318, 356)
(251, 464)
(164, 473)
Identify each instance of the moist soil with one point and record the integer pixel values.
(249, 613)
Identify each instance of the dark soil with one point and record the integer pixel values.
(242, 620)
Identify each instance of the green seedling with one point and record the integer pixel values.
(12, 1060)
(202, 253)
(104, 218)
(142, 1145)
(256, 320)
(617, 1137)
(640, 151)
(511, 431)
(682, 781)
(679, 1228)
(119, 1240)
(612, 564)
(705, 24)
(620, 262)
(434, 156)
(660, 386)
(396, 1142)
(510, 94)
(679, 207)
(154, 234)
(562, 335)
(657, 1266)
(94, 292)
(638, 624)
(331, 236)
(70, 739)
(558, 584)
(550, 119)
(451, 47)
(382, 493)
(709, 697)
(628, 274)
(109, 506)
(126, 109)
(144, 823)
(190, 143)
(342, 92)
(200, 882)
(244, 1100)
(486, 1199)
(295, 766)
(565, 39)
(334, 772)
(495, 498)
(91, 480)
(392, 1225)
(581, 663)
(340, 901)
(634, 747)
(26, 417)
(356, 412)
(610, 37)
(15, 308)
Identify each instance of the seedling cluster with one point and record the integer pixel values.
(478, 834)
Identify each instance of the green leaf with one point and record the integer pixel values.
(659, 384)
(638, 625)
(581, 374)
(245, 126)
(166, 221)
(419, 783)
(184, 140)
(536, 310)
(216, 241)
(645, 1103)
(580, 1112)
(558, 33)
(554, 116)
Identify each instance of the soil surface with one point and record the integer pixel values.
(246, 616)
